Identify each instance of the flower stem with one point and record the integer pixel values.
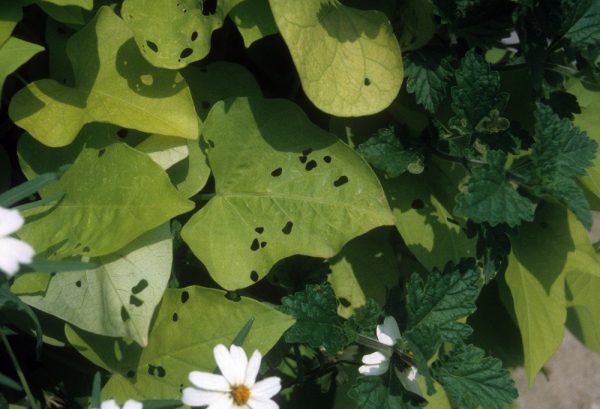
(13, 358)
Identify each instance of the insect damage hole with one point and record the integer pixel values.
(194, 36)
(311, 165)
(367, 82)
(78, 283)
(277, 172)
(139, 287)
(175, 317)
(259, 229)
(133, 300)
(254, 276)
(233, 296)
(287, 229)
(101, 152)
(124, 315)
(157, 371)
(327, 159)
(186, 52)
(255, 245)
(185, 296)
(342, 180)
(152, 45)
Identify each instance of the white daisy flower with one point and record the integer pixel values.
(236, 388)
(130, 404)
(378, 362)
(12, 251)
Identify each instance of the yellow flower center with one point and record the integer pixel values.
(240, 394)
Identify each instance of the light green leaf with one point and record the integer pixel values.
(189, 324)
(112, 196)
(421, 206)
(365, 268)
(164, 150)
(583, 315)
(85, 4)
(283, 187)
(348, 60)
(119, 297)
(14, 53)
(176, 33)
(191, 174)
(543, 254)
(114, 84)
(254, 20)
(10, 14)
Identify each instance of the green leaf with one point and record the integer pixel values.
(317, 322)
(428, 75)
(490, 197)
(477, 90)
(85, 4)
(560, 153)
(10, 14)
(191, 174)
(421, 205)
(173, 34)
(385, 152)
(348, 60)
(543, 254)
(114, 84)
(441, 302)
(473, 380)
(584, 305)
(586, 29)
(11, 303)
(254, 20)
(366, 268)
(414, 23)
(283, 187)
(15, 52)
(71, 15)
(112, 196)
(189, 324)
(371, 392)
(365, 318)
(119, 297)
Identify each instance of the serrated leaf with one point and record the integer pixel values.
(473, 380)
(489, 196)
(112, 196)
(317, 322)
(585, 30)
(15, 52)
(254, 20)
(371, 392)
(348, 60)
(119, 297)
(428, 75)
(114, 84)
(190, 323)
(283, 187)
(365, 318)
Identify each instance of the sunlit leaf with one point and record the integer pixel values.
(14, 53)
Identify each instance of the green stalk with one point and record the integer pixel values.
(34, 403)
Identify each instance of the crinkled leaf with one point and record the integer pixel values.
(372, 392)
(190, 323)
(111, 196)
(317, 322)
(428, 75)
(348, 60)
(473, 380)
(119, 297)
(15, 52)
(365, 318)
(114, 84)
(490, 197)
(283, 187)
(254, 20)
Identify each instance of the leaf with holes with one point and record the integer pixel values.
(111, 196)
(348, 60)
(283, 187)
(119, 297)
(114, 84)
(189, 324)
(173, 34)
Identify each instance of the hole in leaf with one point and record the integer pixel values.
(151, 45)
(255, 245)
(302, 159)
(139, 287)
(277, 172)
(311, 165)
(122, 133)
(186, 52)
(205, 105)
(367, 82)
(101, 152)
(259, 230)
(342, 180)
(133, 300)
(345, 302)
(130, 374)
(175, 317)
(233, 296)
(327, 159)
(180, 388)
(194, 36)
(124, 314)
(210, 143)
(185, 296)
(307, 151)
(156, 371)
(209, 7)
(86, 249)
(417, 204)
(78, 283)
(287, 229)
(263, 244)
(254, 276)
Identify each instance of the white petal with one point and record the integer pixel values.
(252, 369)
(240, 360)
(109, 404)
(412, 374)
(195, 397)
(226, 364)
(374, 359)
(374, 370)
(10, 221)
(209, 381)
(408, 383)
(266, 388)
(13, 252)
(224, 402)
(388, 332)
(132, 404)
(258, 403)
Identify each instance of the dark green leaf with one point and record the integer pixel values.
(241, 336)
(9, 383)
(385, 152)
(372, 392)
(428, 75)
(364, 320)
(10, 302)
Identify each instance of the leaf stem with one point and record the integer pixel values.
(13, 358)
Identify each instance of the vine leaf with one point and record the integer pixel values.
(118, 298)
(348, 60)
(283, 187)
(15, 52)
(114, 84)
(254, 20)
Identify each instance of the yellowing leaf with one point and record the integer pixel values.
(348, 60)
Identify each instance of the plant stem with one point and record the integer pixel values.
(34, 403)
